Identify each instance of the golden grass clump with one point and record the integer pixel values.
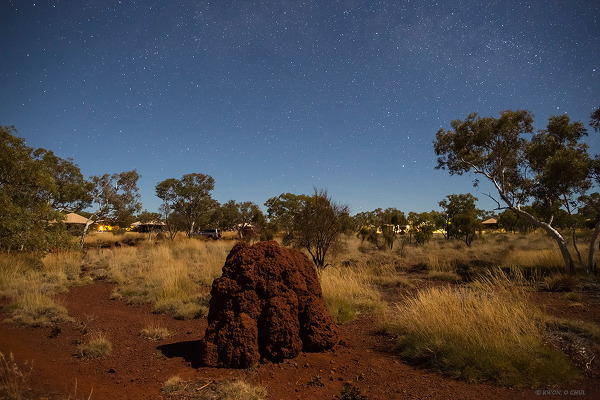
(239, 390)
(485, 332)
(172, 275)
(15, 272)
(154, 331)
(173, 385)
(534, 258)
(65, 264)
(177, 388)
(96, 346)
(348, 292)
(34, 308)
(560, 283)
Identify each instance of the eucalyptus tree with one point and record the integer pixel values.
(190, 198)
(462, 216)
(317, 226)
(552, 167)
(282, 209)
(114, 197)
(591, 203)
(35, 187)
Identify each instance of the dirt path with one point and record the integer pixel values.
(137, 368)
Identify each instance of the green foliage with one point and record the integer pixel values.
(462, 216)
(115, 199)
(595, 120)
(510, 221)
(552, 168)
(423, 226)
(281, 209)
(34, 186)
(189, 197)
(317, 226)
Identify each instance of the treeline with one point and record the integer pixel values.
(543, 179)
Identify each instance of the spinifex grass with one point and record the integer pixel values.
(486, 332)
(349, 292)
(34, 308)
(13, 380)
(239, 389)
(155, 331)
(97, 345)
(172, 275)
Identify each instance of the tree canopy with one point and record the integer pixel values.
(462, 216)
(551, 168)
(34, 186)
(317, 226)
(190, 197)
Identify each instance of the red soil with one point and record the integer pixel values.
(137, 368)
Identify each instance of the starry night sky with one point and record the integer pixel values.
(282, 96)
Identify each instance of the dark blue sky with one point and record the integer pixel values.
(283, 96)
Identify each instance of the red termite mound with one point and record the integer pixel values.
(267, 304)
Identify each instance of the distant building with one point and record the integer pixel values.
(147, 226)
(73, 218)
(491, 223)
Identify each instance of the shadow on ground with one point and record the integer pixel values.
(188, 350)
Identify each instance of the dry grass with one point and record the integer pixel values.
(54, 274)
(13, 381)
(560, 283)
(30, 284)
(544, 258)
(34, 308)
(349, 292)
(172, 275)
(176, 388)
(488, 331)
(155, 331)
(97, 345)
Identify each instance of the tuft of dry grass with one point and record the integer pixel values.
(175, 387)
(239, 390)
(97, 345)
(488, 331)
(560, 283)
(34, 308)
(155, 331)
(535, 258)
(13, 381)
(30, 284)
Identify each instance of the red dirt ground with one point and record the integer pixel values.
(137, 368)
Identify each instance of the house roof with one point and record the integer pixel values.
(73, 218)
(490, 221)
(138, 223)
